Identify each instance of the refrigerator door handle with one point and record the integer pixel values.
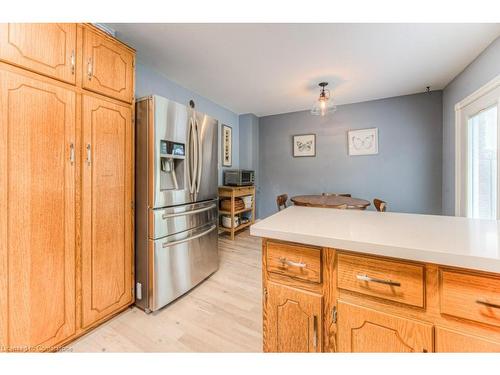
(178, 242)
(192, 212)
(192, 155)
(188, 157)
(195, 156)
(200, 158)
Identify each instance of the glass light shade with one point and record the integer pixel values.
(322, 106)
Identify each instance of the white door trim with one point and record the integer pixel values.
(460, 159)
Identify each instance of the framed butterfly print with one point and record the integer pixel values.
(304, 145)
(363, 142)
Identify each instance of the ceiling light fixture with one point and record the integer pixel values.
(324, 104)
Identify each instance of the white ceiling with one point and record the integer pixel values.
(274, 68)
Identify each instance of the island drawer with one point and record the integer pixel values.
(391, 280)
(470, 296)
(294, 260)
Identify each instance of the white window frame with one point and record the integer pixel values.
(485, 97)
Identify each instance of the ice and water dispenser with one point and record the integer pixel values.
(172, 157)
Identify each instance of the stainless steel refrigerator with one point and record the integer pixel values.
(176, 207)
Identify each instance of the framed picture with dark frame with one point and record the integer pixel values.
(227, 150)
(304, 145)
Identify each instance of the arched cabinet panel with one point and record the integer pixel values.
(37, 213)
(106, 208)
(45, 48)
(292, 321)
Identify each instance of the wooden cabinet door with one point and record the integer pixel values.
(292, 320)
(106, 208)
(108, 67)
(37, 213)
(450, 341)
(45, 48)
(362, 329)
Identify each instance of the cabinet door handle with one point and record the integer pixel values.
(315, 333)
(376, 280)
(89, 69)
(89, 154)
(73, 62)
(72, 153)
(334, 314)
(488, 304)
(283, 260)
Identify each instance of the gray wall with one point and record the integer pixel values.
(482, 70)
(249, 141)
(249, 146)
(406, 172)
(149, 81)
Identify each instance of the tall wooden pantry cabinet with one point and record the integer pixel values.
(66, 182)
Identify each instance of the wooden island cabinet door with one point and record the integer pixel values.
(451, 341)
(37, 214)
(362, 330)
(45, 48)
(292, 320)
(108, 67)
(106, 208)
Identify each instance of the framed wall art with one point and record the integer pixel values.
(227, 149)
(363, 142)
(304, 145)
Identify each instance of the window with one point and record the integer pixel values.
(482, 174)
(477, 153)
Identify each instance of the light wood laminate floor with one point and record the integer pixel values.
(223, 314)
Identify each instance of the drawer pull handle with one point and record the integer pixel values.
(375, 280)
(186, 213)
(178, 242)
(488, 304)
(291, 263)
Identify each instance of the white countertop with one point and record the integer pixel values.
(446, 240)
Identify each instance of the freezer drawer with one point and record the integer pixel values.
(180, 262)
(166, 221)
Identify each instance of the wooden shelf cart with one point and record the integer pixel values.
(233, 192)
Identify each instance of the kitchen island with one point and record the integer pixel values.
(361, 281)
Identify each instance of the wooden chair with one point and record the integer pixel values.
(380, 205)
(281, 201)
(335, 195)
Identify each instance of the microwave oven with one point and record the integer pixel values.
(239, 177)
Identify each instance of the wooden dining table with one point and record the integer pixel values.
(330, 201)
